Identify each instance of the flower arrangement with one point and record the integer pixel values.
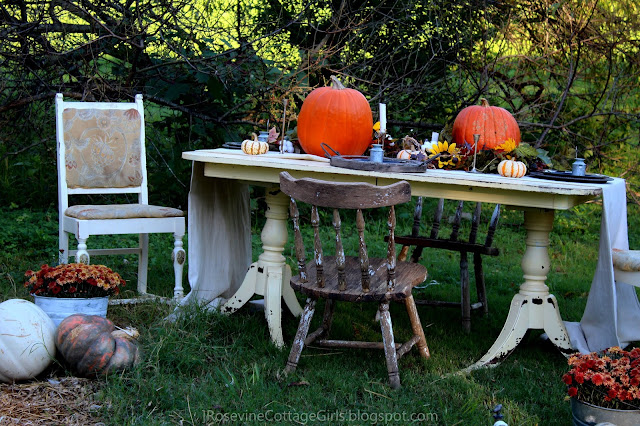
(451, 157)
(73, 280)
(610, 379)
(454, 157)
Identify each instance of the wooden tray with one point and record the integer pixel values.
(360, 162)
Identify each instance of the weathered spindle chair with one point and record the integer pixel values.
(352, 278)
(455, 242)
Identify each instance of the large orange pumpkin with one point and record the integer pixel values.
(92, 345)
(337, 116)
(494, 125)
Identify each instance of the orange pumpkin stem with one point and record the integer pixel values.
(484, 102)
(336, 84)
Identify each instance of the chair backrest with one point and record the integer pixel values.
(101, 149)
(454, 241)
(335, 196)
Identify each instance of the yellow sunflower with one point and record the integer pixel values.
(449, 154)
(506, 147)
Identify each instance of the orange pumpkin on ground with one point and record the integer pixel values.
(494, 125)
(337, 116)
(92, 345)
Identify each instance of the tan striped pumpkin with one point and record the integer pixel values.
(512, 168)
(254, 147)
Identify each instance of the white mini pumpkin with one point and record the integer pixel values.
(512, 168)
(405, 154)
(27, 343)
(254, 147)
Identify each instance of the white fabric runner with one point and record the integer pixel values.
(612, 314)
(219, 225)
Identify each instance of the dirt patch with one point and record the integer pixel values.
(54, 401)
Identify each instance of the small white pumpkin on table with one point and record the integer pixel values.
(512, 168)
(255, 146)
(410, 148)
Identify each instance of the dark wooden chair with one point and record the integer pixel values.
(455, 242)
(352, 278)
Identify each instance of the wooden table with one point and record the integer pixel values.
(532, 308)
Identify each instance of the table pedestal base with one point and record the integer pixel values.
(270, 275)
(533, 307)
(527, 312)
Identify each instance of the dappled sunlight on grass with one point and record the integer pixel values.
(206, 365)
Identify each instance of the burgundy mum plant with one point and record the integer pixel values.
(608, 379)
(74, 280)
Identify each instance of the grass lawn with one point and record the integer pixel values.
(206, 368)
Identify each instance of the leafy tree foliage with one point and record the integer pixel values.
(215, 70)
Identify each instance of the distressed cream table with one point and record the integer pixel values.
(532, 308)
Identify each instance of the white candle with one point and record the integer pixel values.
(383, 118)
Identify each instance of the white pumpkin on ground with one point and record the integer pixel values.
(27, 345)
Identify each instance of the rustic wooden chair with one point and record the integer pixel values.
(352, 278)
(455, 242)
(101, 150)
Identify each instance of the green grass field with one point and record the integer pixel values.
(207, 368)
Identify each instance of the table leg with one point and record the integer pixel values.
(270, 275)
(533, 307)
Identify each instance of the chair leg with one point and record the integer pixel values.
(480, 287)
(63, 247)
(82, 255)
(416, 327)
(389, 345)
(301, 335)
(325, 328)
(465, 299)
(178, 257)
(327, 318)
(143, 263)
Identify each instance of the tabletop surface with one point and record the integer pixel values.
(452, 184)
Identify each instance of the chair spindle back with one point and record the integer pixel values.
(348, 196)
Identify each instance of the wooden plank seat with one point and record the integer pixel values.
(351, 278)
(455, 241)
(408, 275)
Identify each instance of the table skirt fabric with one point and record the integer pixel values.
(219, 249)
(612, 314)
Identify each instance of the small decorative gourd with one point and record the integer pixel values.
(512, 168)
(254, 147)
(92, 345)
(26, 340)
(410, 148)
(405, 154)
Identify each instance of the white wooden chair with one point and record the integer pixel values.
(626, 266)
(101, 150)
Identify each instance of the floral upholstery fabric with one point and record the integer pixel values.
(102, 148)
(120, 211)
(626, 260)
